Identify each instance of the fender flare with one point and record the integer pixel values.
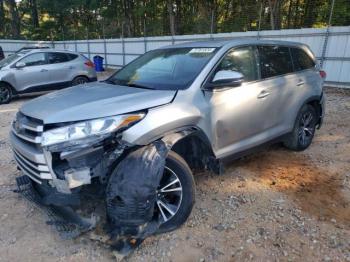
(311, 99)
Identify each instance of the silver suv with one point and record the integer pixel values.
(40, 70)
(139, 135)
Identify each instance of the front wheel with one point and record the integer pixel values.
(175, 194)
(304, 129)
(5, 94)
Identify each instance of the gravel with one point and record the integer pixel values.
(275, 205)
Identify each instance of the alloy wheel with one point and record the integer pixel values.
(306, 128)
(4, 94)
(169, 196)
(81, 81)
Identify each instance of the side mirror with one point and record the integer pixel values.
(20, 65)
(225, 78)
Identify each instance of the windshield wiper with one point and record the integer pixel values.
(108, 81)
(139, 86)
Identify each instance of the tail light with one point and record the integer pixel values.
(89, 63)
(323, 74)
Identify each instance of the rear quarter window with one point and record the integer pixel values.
(72, 56)
(301, 59)
(56, 58)
(274, 61)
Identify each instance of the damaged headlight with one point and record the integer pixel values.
(79, 132)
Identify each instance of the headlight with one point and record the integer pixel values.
(93, 128)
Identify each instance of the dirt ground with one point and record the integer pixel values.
(275, 205)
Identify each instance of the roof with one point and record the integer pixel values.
(234, 42)
(47, 50)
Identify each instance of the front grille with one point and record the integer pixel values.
(28, 154)
(28, 128)
(32, 169)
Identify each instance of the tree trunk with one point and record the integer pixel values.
(171, 16)
(34, 9)
(296, 14)
(289, 16)
(128, 23)
(2, 17)
(272, 13)
(15, 22)
(310, 13)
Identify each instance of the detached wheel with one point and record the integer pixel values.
(175, 194)
(79, 80)
(304, 129)
(5, 94)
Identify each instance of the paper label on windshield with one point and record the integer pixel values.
(202, 50)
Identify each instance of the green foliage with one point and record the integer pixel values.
(81, 19)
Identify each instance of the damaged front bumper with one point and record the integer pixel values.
(67, 222)
(65, 170)
(56, 176)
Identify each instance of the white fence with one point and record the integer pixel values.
(331, 46)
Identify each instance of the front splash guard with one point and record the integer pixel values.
(67, 222)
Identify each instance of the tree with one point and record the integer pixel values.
(14, 16)
(79, 19)
(2, 17)
(170, 8)
(34, 13)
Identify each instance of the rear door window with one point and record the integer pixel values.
(301, 59)
(35, 59)
(241, 60)
(274, 61)
(56, 58)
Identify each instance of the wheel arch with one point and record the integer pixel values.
(195, 148)
(315, 102)
(14, 92)
(80, 75)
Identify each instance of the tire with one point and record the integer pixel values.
(304, 129)
(79, 80)
(178, 165)
(5, 94)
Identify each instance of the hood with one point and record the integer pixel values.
(3, 71)
(93, 100)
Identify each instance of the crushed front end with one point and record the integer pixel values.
(60, 161)
(64, 166)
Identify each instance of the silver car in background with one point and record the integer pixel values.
(41, 70)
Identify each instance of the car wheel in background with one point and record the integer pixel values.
(5, 94)
(80, 80)
(304, 129)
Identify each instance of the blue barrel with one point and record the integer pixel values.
(98, 61)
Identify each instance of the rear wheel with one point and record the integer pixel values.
(304, 129)
(5, 94)
(79, 80)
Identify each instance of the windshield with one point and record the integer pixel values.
(8, 60)
(164, 69)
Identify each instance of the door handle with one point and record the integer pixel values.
(300, 83)
(263, 94)
(71, 67)
(44, 70)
